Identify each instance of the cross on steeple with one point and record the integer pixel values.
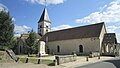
(45, 3)
(44, 21)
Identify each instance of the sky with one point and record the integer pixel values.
(64, 13)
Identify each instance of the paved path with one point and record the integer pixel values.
(114, 63)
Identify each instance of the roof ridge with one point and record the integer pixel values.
(78, 27)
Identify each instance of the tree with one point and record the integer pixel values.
(6, 30)
(32, 42)
(14, 44)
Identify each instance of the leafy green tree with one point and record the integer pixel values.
(32, 42)
(14, 44)
(6, 30)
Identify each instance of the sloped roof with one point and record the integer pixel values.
(110, 38)
(37, 36)
(26, 35)
(44, 16)
(88, 31)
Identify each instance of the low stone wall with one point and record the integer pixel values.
(94, 54)
(4, 57)
(65, 59)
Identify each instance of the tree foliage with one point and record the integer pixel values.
(32, 42)
(6, 30)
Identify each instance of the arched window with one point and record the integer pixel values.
(40, 26)
(80, 48)
(46, 30)
(58, 48)
(46, 26)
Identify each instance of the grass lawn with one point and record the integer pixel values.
(47, 62)
(32, 55)
(34, 59)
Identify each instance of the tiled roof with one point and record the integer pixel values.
(88, 31)
(44, 16)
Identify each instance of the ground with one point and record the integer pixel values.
(81, 61)
(112, 63)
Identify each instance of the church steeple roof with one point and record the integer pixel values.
(44, 16)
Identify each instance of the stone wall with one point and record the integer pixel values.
(65, 59)
(68, 46)
(4, 57)
(94, 54)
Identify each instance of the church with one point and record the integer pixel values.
(83, 39)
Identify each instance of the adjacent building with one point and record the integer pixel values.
(109, 43)
(22, 47)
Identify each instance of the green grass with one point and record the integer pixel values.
(22, 60)
(33, 60)
(0, 58)
(22, 55)
(47, 62)
(32, 55)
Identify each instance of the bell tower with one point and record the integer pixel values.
(44, 24)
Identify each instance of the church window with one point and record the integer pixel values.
(58, 48)
(46, 30)
(46, 26)
(80, 48)
(40, 26)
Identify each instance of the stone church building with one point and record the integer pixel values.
(83, 39)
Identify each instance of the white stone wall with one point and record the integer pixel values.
(44, 28)
(103, 31)
(68, 46)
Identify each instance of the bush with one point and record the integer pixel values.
(2, 49)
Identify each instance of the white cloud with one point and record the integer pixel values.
(17, 35)
(47, 1)
(109, 13)
(13, 19)
(21, 29)
(113, 28)
(3, 7)
(61, 27)
(118, 37)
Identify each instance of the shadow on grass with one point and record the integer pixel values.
(51, 64)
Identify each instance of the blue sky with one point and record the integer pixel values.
(65, 13)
